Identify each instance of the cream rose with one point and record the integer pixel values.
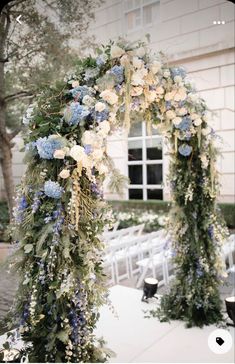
(155, 67)
(100, 106)
(176, 121)
(59, 154)
(160, 90)
(137, 63)
(206, 131)
(87, 100)
(182, 111)
(197, 121)
(136, 91)
(116, 51)
(104, 128)
(170, 114)
(75, 83)
(97, 154)
(109, 96)
(77, 153)
(65, 173)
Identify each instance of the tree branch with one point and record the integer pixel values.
(18, 95)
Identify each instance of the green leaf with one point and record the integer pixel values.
(63, 336)
(28, 248)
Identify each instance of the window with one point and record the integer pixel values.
(139, 13)
(145, 164)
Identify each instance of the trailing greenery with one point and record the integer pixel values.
(60, 213)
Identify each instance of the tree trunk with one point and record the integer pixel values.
(6, 165)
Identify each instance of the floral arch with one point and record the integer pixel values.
(61, 213)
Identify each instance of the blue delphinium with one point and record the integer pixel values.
(76, 113)
(185, 150)
(185, 124)
(211, 231)
(53, 189)
(178, 71)
(23, 203)
(118, 73)
(36, 201)
(47, 146)
(79, 92)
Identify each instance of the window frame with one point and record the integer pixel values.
(141, 8)
(144, 163)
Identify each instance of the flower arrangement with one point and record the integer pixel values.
(60, 210)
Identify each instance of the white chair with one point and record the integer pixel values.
(227, 252)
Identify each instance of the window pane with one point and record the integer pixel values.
(135, 150)
(147, 13)
(135, 194)
(135, 175)
(135, 130)
(154, 174)
(151, 13)
(154, 194)
(132, 18)
(154, 149)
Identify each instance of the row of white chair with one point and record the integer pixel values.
(228, 251)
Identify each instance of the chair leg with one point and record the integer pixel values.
(142, 276)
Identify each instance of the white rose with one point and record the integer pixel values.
(100, 106)
(136, 91)
(170, 114)
(160, 90)
(102, 168)
(140, 52)
(155, 67)
(169, 96)
(180, 94)
(87, 100)
(97, 154)
(65, 173)
(75, 84)
(151, 96)
(194, 116)
(59, 154)
(109, 96)
(137, 63)
(182, 111)
(77, 153)
(116, 51)
(206, 131)
(104, 127)
(197, 121)
(176, 121)
(124, 60)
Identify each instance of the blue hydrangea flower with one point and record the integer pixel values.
(75, 113)
(79, 92)
(118, 73)
(53, 189)
(178, 71)
(185, 150)
(185, 124)
(47, 146)
(168, 105)
(101, 116)
(88, 149)
(101, 59)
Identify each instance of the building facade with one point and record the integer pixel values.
(197, 34)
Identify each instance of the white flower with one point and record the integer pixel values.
(104, 128)
(177, 79)
(204, 160)
(109, 96)
(169, 96)
(206, 131)
(87, 100)
(92, 138)
(136, 91)
(59, 154)
(182, 111)
(193, 97)
(194, 116)
(112, 117)
(124, 60)
(102, 168)
(180, 94)
(116, 51)
(155, 67)
(77, 153)
(197, 121)
(65, 173)
(206, 117)
(166, 73)
(137, 63)
(170, 114)
(138, 77)
(75, 83)
(97, 154)
(160, 90)
(140, 52)
(176, 121)
(151, 96)
(100, 106)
